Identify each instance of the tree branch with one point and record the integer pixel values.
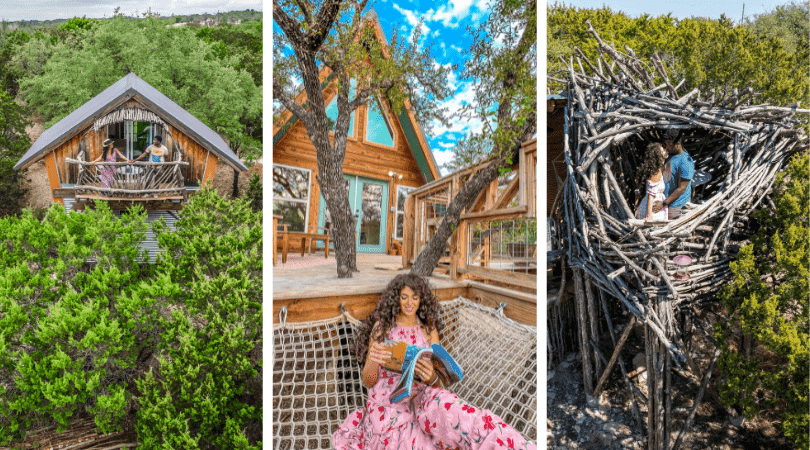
(304, 7)
(290, 103)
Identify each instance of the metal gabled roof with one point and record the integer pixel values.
(122, 90)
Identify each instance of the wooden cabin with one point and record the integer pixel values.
(131, 113)
(387, 156)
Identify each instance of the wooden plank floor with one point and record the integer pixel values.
(314, 293)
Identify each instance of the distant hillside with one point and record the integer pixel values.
(248, 15)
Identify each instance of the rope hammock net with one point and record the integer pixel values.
(317, 383)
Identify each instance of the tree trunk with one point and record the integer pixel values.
(428, 259)
(235, 192)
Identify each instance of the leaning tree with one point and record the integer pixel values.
(332, 42)
(502, 68)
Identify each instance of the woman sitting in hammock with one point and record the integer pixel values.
(433, 417)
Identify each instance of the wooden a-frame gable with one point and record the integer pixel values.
(409, 159)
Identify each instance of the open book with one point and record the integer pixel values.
(404, 357)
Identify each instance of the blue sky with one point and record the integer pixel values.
(682, 9)
(445, 25)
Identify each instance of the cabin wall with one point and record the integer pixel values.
(193, 153)
(362, 159)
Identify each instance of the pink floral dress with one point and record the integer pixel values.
(108, 172)
(433, 418)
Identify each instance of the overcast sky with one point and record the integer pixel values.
(13, 10)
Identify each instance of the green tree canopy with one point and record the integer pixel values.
(707, 54)
(173, 60)
(13, 144)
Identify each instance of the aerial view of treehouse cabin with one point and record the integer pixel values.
(131, 114)
(387, 156)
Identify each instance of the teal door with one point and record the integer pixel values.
(368, 199)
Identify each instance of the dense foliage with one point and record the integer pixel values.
(86, 327)
(708, 54)
(58, 70)
(768, 301)
(207, 389)
(13, 144)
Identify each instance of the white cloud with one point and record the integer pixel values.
(446, 145)
(456, 48)
(465, 95)
(451, 14)
(442, 157)
(413, 21)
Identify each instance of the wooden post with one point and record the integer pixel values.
(593, 313)
(459, 250)
(408, 232)
(53, 176)
(582, 320)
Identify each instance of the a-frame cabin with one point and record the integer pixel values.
(131, 113)
(387, 156)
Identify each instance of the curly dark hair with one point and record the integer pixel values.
(653, 162)
(387, 310)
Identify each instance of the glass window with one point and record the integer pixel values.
(291, 187)
(402, 192)
(131, 138)
(332, 110)
(378, 129)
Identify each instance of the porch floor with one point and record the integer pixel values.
(313, 276)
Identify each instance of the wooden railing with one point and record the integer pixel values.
(129, 180)
(483, 247)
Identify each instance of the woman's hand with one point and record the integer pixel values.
(379, 353)
(424, 368)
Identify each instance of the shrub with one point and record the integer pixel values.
(768, 301)
(69, 329)
(206, 393)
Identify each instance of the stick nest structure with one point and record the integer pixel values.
(614, 111)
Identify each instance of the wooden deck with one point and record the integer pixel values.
(314, 293)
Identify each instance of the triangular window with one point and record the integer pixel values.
(378, 130)
(332, 111)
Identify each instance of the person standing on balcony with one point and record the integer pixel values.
(109, 154)
(157, 151)
(157, 154)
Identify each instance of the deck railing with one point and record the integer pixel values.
(129, 180)
(496, 240)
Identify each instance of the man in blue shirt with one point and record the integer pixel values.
(679, 189)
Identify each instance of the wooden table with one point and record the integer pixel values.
(307, 239)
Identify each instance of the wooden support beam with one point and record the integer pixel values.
(615, 356)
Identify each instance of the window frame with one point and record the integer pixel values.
(384, 113)
(309, 193)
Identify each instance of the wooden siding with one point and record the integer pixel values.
(194, 153)
(362, 159)
(53, 178)
(210, 168)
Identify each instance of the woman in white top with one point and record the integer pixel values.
(651, 173)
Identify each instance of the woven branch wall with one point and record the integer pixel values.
(616, 108)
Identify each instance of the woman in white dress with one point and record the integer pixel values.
(652, 173)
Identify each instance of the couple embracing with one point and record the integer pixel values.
(667, 173)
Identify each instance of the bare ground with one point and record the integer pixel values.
(573, 423)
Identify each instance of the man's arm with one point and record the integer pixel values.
(682, 186)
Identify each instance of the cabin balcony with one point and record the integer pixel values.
(129, 181)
